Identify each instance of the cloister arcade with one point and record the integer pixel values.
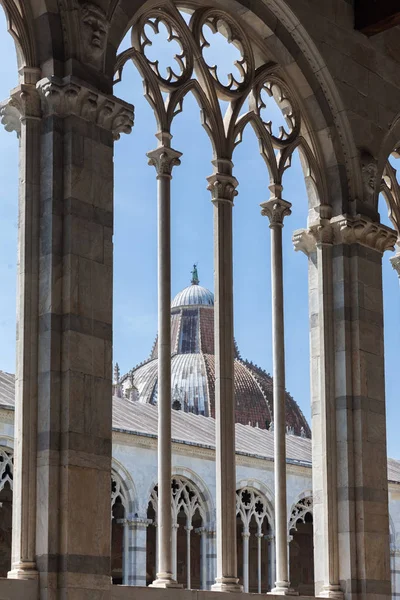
(302, 84)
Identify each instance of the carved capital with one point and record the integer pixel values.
(69, 96)
(222, 187)
(139, 522)
(276, 210)
(164, 159)
(361, 230)
(319, 233)
(23, 103)
(396, 262)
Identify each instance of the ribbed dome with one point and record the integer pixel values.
(193, 369)
(193, 295)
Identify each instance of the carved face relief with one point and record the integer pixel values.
(94, 32)
(369, 173)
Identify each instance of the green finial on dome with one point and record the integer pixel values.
(195, 276)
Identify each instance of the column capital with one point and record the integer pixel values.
(136, 522)
(222, 187)
(164, 159)
(319, 233)
(246, 533)
(70, 96)
(276, 209)
(23, 103)
(395, 260)
(362, 230)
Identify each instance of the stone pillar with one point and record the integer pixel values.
(223, 189)
(350, 514)
(174, 542)
(22, 113)
(138, 551)
(246, 539)
(211, 557)
(259, 561)
(317, 243)
(271, 552)
(276, 209)
(75, 337)
(164, 158)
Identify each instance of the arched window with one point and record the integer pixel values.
(6, 486)
(301, 549)
(253, 539)
(119, 509)
(189, 534)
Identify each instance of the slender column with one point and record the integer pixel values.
(289, 539)
(126, 557)
(188, 556)
(276, 209)
(164, 158)
(246, 538)
(223, 189)
(23, 114)
(203, 556)
(271, 553)
(175, 528)
(137, 555)
(259, 563)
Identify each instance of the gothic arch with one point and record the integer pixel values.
(264, 491)
(302, 506)
(387, 176)
(21, 27)
(125, 487)
(307, 72)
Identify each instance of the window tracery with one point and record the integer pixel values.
(184, 497)
(249, 504)
(117, 492)
(6, 468)
(230, 96)
(299, 512)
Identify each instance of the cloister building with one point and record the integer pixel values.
(331, 72)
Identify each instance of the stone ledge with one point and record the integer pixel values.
(16, 589)
(126, 592)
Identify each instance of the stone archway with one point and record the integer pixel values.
(301, 547)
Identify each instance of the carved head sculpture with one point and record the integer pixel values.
(369, 172)
(94, 28)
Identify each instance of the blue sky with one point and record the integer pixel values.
(135, 275)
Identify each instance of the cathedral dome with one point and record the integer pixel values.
(193, 369)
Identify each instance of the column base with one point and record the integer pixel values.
(227, 584)
(165, 580)
(23, 571)
(282, 589)
(331, 591)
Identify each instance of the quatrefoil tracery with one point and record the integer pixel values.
(256, 96)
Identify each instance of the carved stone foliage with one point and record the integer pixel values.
(299, 512)
(251, 504)
(68, 96)
(184, 497)
(164, 159)
(256, 94)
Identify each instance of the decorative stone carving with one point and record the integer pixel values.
(276, 210)
(222, 187)
(396, 262)
(68, 96)
(361, 230)
(250, 503)
(94, 31)
(299, 512)
(307, 240)
(24, 103)
(164, 159)
(369, 171)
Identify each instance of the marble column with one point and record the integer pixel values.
(73, 544)
(164, 158)
(246, 540)
(223, 190)
(188, 529)
(137, 554)
(203, 556)
(22, 113)
(276, 209)
(271, 554)
(259, 560)
(350, 515)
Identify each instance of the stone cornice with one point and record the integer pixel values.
(364, 231)
(345, 229)
(70, 96)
